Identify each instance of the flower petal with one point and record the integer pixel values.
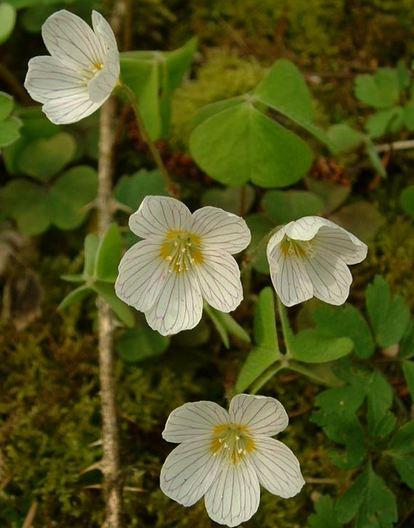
(220, 229)
(142, 274)
(289, 275)
(342, 243)
(102, 85)
(263, 415)
(179, 306)
(47, 79)
(69, 109)
(219, 279)
(234, 495)
(188, 472)
(104, 32)
(330, 277)
(306, 227)
(277, 467)
(71, 40)
(194, 419)
(159, 214)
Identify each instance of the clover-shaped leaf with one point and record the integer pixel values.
(241, 144)
(72, 191)
(141, 343)
(9, 125)
(35, 207)
(285, 206)
(131, 190)
(380, 90)
(43, 158)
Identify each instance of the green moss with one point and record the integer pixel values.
(392, 255)
(222, 75)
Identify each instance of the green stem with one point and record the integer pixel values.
(326, 378)
(265, 377)
(147, 138)
(260, 245)
(286, 330)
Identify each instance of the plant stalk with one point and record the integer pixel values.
(110, 464)
(156, 156)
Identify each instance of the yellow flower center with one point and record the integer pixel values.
(182, 249)
(97, 66)
(234, 441)
(296, 248)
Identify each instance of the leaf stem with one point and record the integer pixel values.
(171, 188)
(266, 376)
(286, 329)
(259, 246)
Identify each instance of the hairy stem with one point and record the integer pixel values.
(110, 443)
(147, 138)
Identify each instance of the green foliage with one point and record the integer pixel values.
(141, 343)
(392, 256)
(407, 200)
(402, 451)
(337, 416)
(63, 203)
(241, 144)
(233, 199)
(9, 125)
(260, 227)
(360, 218)
(8, 19)
(315, 346)
(325, 515)
(346, 321)
(285, 91)
(99, 273)
(390, 92)
(284, 206)
(153, 76)
(131, 190)
(369, 501)
(44, 158)
(408, 369)
(48, 446)
(331, 194)
(389, 314)
(235, 142)
(222, 75)
(380, 90)
(225, 324)
(266, 349)
(345, 138)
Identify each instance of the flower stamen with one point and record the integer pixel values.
(233, 440)
(182, 249)
(296, 248)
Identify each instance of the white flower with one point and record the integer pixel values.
(226, 455)
(183, 258)
(309, 258)
(81, 71)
